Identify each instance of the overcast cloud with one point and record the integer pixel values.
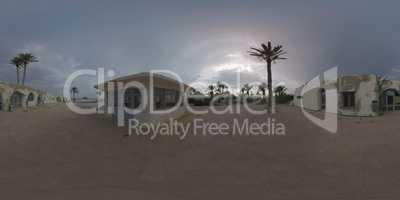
(203, 41)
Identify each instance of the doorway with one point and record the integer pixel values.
(17, 100)
(391, 100)
(323, 99)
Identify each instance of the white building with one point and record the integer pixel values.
(14, 97)
(358, 95)
(162, 93)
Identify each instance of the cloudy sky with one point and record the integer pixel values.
(202, 41)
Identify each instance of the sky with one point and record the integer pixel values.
(202, 41)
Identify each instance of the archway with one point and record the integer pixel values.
(391, 100)
(16, 100)
(40, 100)
(30, 100)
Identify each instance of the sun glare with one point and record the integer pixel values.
(233, 67)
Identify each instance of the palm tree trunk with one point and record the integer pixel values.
(23, 76)
(17, 76)
(269, 86)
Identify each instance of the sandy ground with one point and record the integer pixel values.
(52, 153)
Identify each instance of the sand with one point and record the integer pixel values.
(52, 153)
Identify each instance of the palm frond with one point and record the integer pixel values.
(268, 52)
(257, 50)
(16, 61)
(265, 48)
(27, 58)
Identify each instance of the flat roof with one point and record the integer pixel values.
(21, 87)
(159, 80)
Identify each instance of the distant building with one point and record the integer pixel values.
(358, 95)
(166, 94)
(14, 97)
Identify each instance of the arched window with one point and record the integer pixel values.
(31, 97)
(40, 99)
(16, 99)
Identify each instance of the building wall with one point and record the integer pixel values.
(364, 87)
(309, 98)
(7, 90)
(145, 114)
(394, 87)
(166, 91)
(391, 84)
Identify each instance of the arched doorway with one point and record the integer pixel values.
(16, 100)
(30, 100)
(391, 100)
(40, 100)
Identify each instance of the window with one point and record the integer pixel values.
(348, 99)
(158, 97)
(132, 98)
(170, 96)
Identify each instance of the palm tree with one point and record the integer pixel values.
(74, 91)
(221, 87)
(26, 59)
(261, 88)
(17, 62)
(280, 90)
(269, 54)
(193, 91)
(211, 89)
(246, 88)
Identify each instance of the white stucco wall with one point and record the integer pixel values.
(312, 99)
(392, 84)
(308, 98)
(6, 91)
(364, 86)
(366, 92)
